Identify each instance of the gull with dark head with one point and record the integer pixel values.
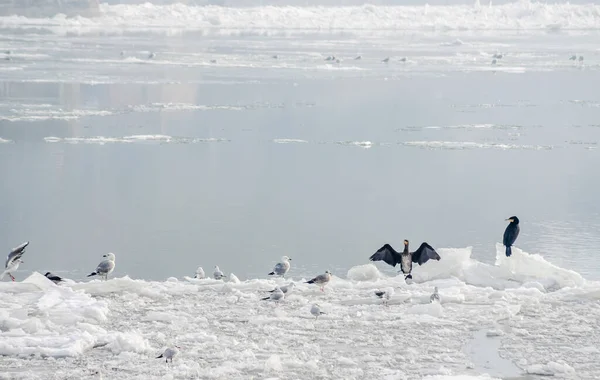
(13, 260)
(322, 280)
(281, 268)
(105, 267)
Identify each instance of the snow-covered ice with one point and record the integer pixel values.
(118, 327)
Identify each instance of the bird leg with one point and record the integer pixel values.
(11, 276)
(323, 290)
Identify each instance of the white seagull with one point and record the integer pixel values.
(218, 274)
(169, 353)
(13, 260)
(316, 311)
(200, 273)
(281, 268)
(105, 267)
(322, 280)
(276, 295)
(435, 296)
(285, 288)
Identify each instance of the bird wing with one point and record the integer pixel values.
(279, 268)
(16, 253)
(424, 253)
(510, 234)
(387, 254)
(105, 266)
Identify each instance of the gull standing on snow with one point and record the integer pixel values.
(199, 273)
(281, 268)
(435, 296)
(169, 353)
(322, 280)
(316, 311)
(105, 267)
(218, 274)
(276, 295)
(13, 260)
(285, 288)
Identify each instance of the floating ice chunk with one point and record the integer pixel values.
(366, 272)
(550, 369)
(273, 363)
(233, 278)
(128, 342)
(433, 309)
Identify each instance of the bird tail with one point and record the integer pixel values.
(321, 312)
(264, 299)
(508, 251)
(310, 282)
(271, 274)
(158, 357)
(92, 274)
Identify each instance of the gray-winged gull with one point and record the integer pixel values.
(13, 260)
(322, 280)
(281, 268)
(316, 310)
(169, 353)
(217, 274)
(276, 295)
(105, 267)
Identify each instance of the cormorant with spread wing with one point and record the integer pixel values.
(405, 258)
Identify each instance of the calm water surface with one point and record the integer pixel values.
(442, 158)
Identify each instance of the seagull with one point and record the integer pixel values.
(169, 353)
(498, 56)
(321, 280)
(213, 61)
(406, 258)
(403, 59)
(494, 62)
(581, 58)
(285, 288)
(385, 295)
(218, 274)
(330, 58)
(54, 278)
(385, 60)
(573, 58)
(200, 273)
(151, 55)
(275, 56)
(13, 260)
(358, 57)
(281, 268)
(105, 267)
(122, 53)
(316, 311)
(276, 295)
(435, 296)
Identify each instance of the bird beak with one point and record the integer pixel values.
(509, 220)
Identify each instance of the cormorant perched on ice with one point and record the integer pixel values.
(511, 233)
(406, 258)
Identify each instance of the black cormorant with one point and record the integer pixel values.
(511, 233)
(406, 258)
